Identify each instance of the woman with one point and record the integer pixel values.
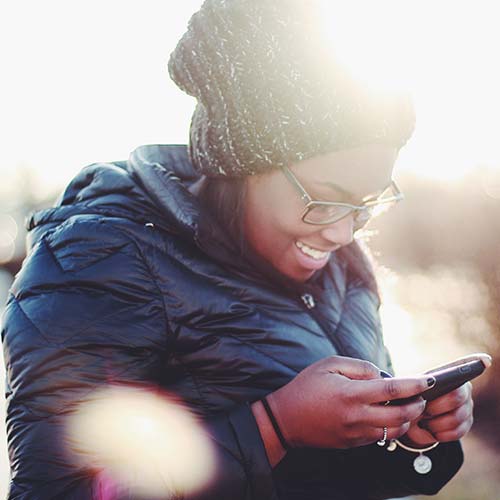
(229, 276)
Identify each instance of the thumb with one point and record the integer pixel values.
(355, 369)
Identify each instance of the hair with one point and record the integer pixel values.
(225, 199)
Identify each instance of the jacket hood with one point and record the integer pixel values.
(151, 187)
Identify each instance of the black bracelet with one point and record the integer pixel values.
(276, 427)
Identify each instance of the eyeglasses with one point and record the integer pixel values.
(328, 212)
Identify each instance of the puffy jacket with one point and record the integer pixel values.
(129, 281)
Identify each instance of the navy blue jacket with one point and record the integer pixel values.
(129, 281)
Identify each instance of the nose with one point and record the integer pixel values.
(340, 232)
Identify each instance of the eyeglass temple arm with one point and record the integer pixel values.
(303, 193)
(398, 196)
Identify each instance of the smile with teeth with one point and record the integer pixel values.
(311, 252)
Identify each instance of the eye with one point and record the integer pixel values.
(329, 195)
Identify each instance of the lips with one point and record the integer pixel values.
(311, 252)
(314, 252)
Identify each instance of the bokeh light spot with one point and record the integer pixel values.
(144, 443)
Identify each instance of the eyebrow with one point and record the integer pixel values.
(335, 187)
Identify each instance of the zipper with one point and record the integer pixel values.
(310, 304)
(308, 300)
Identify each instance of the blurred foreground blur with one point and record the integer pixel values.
(143, 442)
(439, 274)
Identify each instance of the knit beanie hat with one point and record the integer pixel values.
(270, 91)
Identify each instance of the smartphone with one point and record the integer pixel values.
(449, 379)
(451, 376)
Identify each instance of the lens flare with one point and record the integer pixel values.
(373, 39)
(143, 443)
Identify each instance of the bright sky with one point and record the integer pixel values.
(87, 81)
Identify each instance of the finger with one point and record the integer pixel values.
(377, 433)
(392, 416)
(388, 389)
(449, 421)
(485, 358)
(454, 434)
(355, 369)
(450, 402)
(416, 434)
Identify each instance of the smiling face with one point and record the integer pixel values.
(273, 210)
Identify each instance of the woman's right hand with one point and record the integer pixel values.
(338, 402)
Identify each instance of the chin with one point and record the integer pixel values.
(301, 276)
(292, 270)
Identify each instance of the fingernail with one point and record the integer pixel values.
(431, 382)
(385, 374)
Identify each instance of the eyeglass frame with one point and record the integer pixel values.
(357, 209)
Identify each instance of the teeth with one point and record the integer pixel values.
(311, 252)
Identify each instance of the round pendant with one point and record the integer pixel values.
(422, 464)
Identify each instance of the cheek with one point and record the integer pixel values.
(289, 227)
(283, 221)
(274, 217)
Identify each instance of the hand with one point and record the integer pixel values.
(338, 403)
(446, 418)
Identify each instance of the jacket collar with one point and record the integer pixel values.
(166, 173)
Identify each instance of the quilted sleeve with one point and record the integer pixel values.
(82, 314)
(85, 312)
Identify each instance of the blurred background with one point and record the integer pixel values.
(87, 81)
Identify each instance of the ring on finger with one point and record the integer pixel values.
(381, 442)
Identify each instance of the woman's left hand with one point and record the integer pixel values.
(446, 418)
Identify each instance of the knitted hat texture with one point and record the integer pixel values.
(270, 91)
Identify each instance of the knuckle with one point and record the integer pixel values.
(392, 389)
(460, 431)
(442, 437)
(403, 429)
(453, 434)
(460, 397)
(470, 421)
(369, 369)
(429, 413)
(351, 434)
(445, 436)
(404, 416)
(347, 433)
(463, 413)
(330, 360)
(346, 420)
(349, 400)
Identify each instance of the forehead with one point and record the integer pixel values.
(360, 171)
